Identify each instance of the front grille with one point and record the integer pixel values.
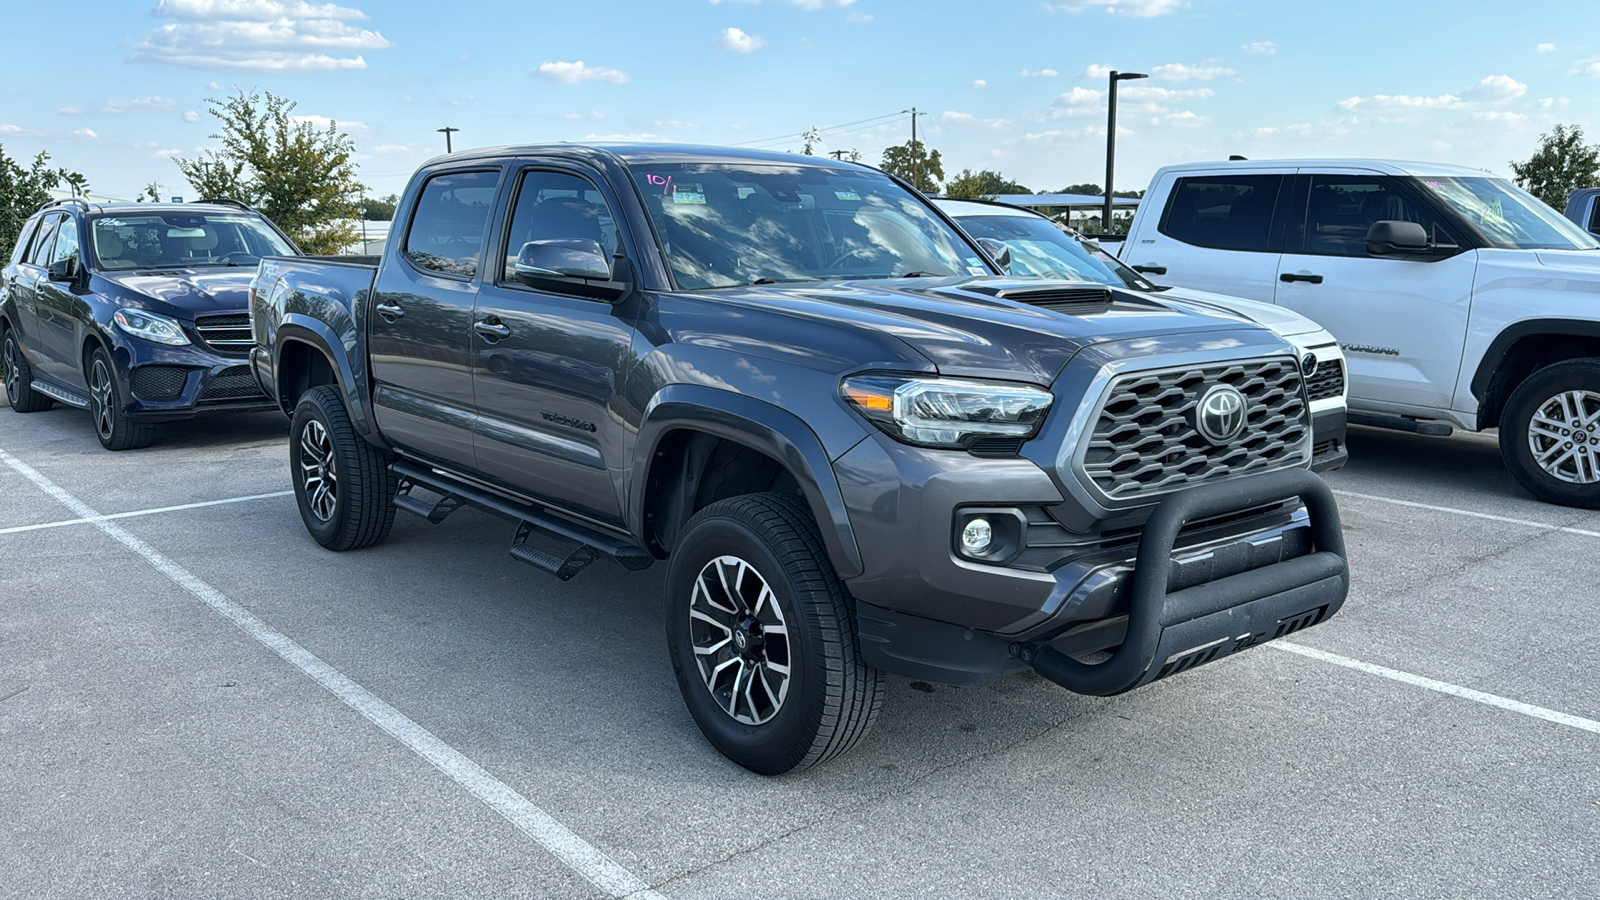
(158, 382)
(226, 334)
(1144, 441)
(1327, 381)
(232, 383)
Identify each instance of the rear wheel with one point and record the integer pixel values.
(1550, 434)
(111, 423)
(343, 484)
(762, 639)
(17, 376)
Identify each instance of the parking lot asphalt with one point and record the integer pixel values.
(201, 702)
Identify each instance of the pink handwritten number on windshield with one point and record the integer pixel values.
(664, 180)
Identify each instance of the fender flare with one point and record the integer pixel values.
(313, 332)
(1496, 354)
(770, 429)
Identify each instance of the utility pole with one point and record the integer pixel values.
(916, 162)
(447, 132)
(1111, 141)
(837, 154)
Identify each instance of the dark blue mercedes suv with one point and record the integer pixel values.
(137, 312)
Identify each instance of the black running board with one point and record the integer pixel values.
(1400, 423)
(530, 519)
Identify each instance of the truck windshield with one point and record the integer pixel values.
(1506, 216)
(1040, 248)
(183, 240)
(725, 225)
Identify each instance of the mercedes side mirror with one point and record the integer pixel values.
(570, 266)
(63, 270)
(998, 251)
(1390, 237)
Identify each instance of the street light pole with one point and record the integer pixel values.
(1111, 141)
(447, 132)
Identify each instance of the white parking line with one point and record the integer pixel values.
(1443, 687)
(143, 512)
(1476, 515)
(579, 855)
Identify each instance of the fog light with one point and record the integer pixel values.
(977, 536)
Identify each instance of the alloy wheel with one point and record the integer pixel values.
(10, 369)
(740, 639)
(100, 399)
(319, 471)
(1564, 436)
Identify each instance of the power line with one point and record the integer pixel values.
(800, 135)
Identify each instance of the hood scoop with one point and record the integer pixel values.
(1084, 300)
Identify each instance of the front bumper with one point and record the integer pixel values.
(1328, 429)
(925, 612)
(165, 384)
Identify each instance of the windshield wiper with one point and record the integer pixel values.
(779, 280)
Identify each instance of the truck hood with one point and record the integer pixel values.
(184, 292)
(958, 324)
(1579, 263)
(1283, 322)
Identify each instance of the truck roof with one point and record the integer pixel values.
(647, 153)
(1380, 166)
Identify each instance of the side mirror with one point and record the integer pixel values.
(564, 258)
(999, 252)
(1390, 237)
(62, 270)
(571, 266)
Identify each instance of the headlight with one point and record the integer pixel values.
(151, 327)
(947, 412)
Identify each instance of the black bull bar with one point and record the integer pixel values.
(1171, 633)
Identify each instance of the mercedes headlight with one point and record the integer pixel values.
(947, 412)
(151, 327)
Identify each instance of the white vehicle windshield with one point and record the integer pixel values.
(180, 240)
(726, 225)
(1040, 248)
(1506, 216)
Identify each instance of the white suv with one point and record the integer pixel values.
(1458, 297)
(1039, 247)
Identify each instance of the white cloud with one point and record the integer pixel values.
(980, 83)
(1180, 119)
(1261, 47)
(258, 36)
(190, 115)
(1138, 9)
(85, 133)
(592, 116)
(1078, 97)
(858, 17)
(1504, 116)
(951, 117)
(69, 111)
(1495, 89)
(169, 153)
(1401, 101)
(141, 105)
(575, 72)
(1551, 102)
(323, 122)
(740, 42)
(385, 149)
(1041, 73)
(1301, 129)
(1095, 70)
(1181, 72)
(1586, 67)
(1545, 48)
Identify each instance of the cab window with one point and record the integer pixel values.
(557, 205)
(1340, 209)
(1229, 212)
(447, 228)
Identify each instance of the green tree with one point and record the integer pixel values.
(985, 185)
(379, 209)
(298, 175)
(914, 162)
(1561, 165)
(812, 137)
(150, 194)
(22, 192)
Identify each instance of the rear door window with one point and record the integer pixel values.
(24, 240)
(1225, 212)
(40, 254)
(448, 225)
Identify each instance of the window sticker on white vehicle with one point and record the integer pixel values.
(846, 195)
(974, 261)
(977, 270)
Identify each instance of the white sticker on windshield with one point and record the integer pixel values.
(681, 196)
(847, 195)
(974, 261)
(977, 270)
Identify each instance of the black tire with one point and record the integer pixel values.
(1555, 459)
(111, 423)
(17, 377)
(342, 484)
(829, 699)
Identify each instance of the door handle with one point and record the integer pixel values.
(389, 311)
(492, 329)
(1151, 270)
(1290, 277)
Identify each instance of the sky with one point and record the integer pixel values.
(117, 90)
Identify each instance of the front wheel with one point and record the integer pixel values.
(111, 423)
(1550, 434)
(342, 484)
(762, 639)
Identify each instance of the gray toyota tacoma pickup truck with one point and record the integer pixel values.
(859, 447)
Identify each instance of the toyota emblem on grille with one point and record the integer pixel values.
(1220, 414)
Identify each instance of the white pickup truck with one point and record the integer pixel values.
(1458, 298)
